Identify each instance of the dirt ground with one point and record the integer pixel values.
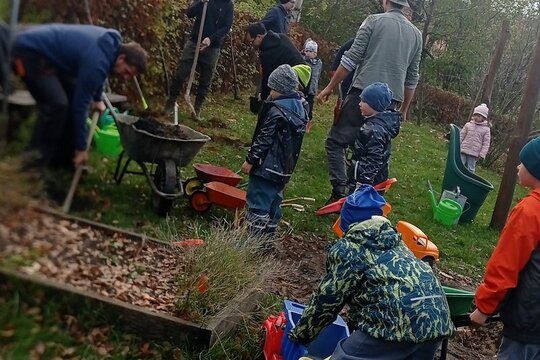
(156, 127)
(303, 260)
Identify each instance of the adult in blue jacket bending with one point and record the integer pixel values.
(64, 68)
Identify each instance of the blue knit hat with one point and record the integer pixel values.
(377, 95)
(361, 205)
(530, 157)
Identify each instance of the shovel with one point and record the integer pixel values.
(187, 97)
(78, 172)
(143, 100)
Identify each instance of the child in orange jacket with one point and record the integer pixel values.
(512, 281)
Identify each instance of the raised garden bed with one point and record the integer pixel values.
(128, 273)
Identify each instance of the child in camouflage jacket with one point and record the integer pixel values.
(396, 305)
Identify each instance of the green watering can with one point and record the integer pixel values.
(108, 140)
(106, 118)
(447, 211)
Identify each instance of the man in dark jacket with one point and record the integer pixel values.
(345, 84)
(64, 68)
(373, 145)
(277, 18)
(274, 50)
(218, 22)
(274, 150)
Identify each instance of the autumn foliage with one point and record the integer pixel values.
(162, 28)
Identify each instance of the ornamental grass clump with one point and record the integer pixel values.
(228, 264)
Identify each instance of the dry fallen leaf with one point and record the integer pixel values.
(146, 350)
(7, 333)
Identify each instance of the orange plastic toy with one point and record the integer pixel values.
(418, 242)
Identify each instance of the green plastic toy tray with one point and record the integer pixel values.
(459, 301)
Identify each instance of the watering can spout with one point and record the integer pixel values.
(432, 199)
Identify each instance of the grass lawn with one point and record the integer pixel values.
(419, 154)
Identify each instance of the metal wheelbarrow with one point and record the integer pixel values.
(168, 154)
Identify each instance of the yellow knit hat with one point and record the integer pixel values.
(304, 73)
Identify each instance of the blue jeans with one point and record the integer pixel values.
(263, 202)
(53, 135)
(361, 346)
(511, 349)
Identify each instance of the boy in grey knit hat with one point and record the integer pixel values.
(274, 151)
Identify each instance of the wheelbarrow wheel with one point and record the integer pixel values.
(165, 181)
(199, 201)
(191, 185)
(430, 260)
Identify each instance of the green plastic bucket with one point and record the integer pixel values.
(448, 212)
(459, 301)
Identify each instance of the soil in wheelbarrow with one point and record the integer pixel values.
(155, 127)
(302, 259)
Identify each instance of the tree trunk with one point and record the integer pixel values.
(425, 35)
(519, 138)
(484, 95)
(295, 14)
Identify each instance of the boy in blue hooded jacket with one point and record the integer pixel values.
(274, 150)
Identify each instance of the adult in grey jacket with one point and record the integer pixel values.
(387, 48)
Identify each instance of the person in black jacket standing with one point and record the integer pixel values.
(274, 151)
(218, 22)
(274, 50)
(373, 144)
(277, 18)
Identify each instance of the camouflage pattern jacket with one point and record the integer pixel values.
(391, 294)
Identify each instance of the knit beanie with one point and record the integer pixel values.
(311, 45)
(283, 80)
(361, 205)
(481, 109)
(401, 2)
(284, 1)
(304, 73)
(530, 157)
(377, 95)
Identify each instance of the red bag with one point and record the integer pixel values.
(337, 110)
(274, 326)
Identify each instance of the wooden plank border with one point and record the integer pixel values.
(146, 323)
(140, 320)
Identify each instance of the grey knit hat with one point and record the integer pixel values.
(401, 2)
(283, 80)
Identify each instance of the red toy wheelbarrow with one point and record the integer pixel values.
(214, 185)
